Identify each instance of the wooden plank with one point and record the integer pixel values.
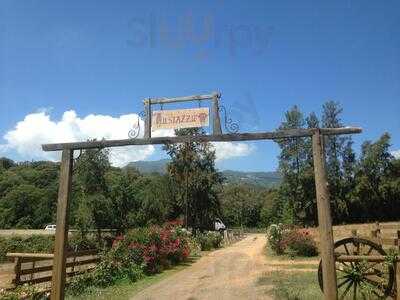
(324, 219)
(282, 134)
(28, 257)
(49, 278)
(68, 265)
(398, 240)
(216, 126)
(61, 236)
(354, 258)
(389, 241)
(147, 121)
(389, 226)
(397, 280)
(17, 271)
(182, 99)
(37, 256)
(47, 256)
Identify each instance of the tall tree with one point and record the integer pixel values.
(376, 182)
(291, 165)
(334, 150)
(92, 189)
(192, 171)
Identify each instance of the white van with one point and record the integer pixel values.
(50, 227)
(218, 225)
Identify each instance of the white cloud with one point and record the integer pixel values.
(396, 154)
(227, 150)
(38, 128)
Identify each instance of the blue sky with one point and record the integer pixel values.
(104, 57)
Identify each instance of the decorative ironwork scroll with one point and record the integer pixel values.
(135, 130)
(229, 124)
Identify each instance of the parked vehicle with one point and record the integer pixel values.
(50, 227)
(218, 225)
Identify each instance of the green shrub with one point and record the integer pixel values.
(23, 292)
(195, 247)
(156, 247)
(143, 250)
(292, 241)
(80, 283)
(77, 242)
(42, 244)
(300, 243)
(209, 240)
(274, 237)
(32, 244)
(114, 265)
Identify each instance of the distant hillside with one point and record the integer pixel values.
(147, 167)
(265, 179)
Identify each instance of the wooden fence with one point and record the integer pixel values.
(386, 235)
(232, 235)
(35, 268)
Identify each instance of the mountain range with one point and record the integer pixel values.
(264, 179)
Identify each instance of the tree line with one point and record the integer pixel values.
(363, 188)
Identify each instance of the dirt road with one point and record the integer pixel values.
(229, 273)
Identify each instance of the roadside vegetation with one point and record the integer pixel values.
(140, 207)
(363, 188)
(133, 257)
(292, 262)
(292, 285)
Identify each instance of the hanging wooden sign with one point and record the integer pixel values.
(180, 118)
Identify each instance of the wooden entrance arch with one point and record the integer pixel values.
(321, 183)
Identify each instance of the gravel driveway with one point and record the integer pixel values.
(228, 273)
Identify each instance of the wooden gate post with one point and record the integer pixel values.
(147, 120)
(61, 239)
(324, 219)
(216, 125)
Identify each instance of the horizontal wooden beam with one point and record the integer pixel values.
(355, 258)
(51, 255)
(281, 134)
(181, 99)
(77, 263)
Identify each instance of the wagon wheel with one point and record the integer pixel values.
(361, 280)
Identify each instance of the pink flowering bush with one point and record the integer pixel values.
(291, 240)
(299, 242)
(144, 250)
(156, 248)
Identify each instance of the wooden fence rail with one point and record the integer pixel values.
(385, 235)
(232, 235)
(35, 268)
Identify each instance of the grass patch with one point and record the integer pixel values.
(292, 286)
(297, 266)
(126, 290)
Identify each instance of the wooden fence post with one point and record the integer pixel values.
(324, 219)
(61, 238)
(397, 276)
(215, 113)
(398, 240)
(17, 270)
(147, 121)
